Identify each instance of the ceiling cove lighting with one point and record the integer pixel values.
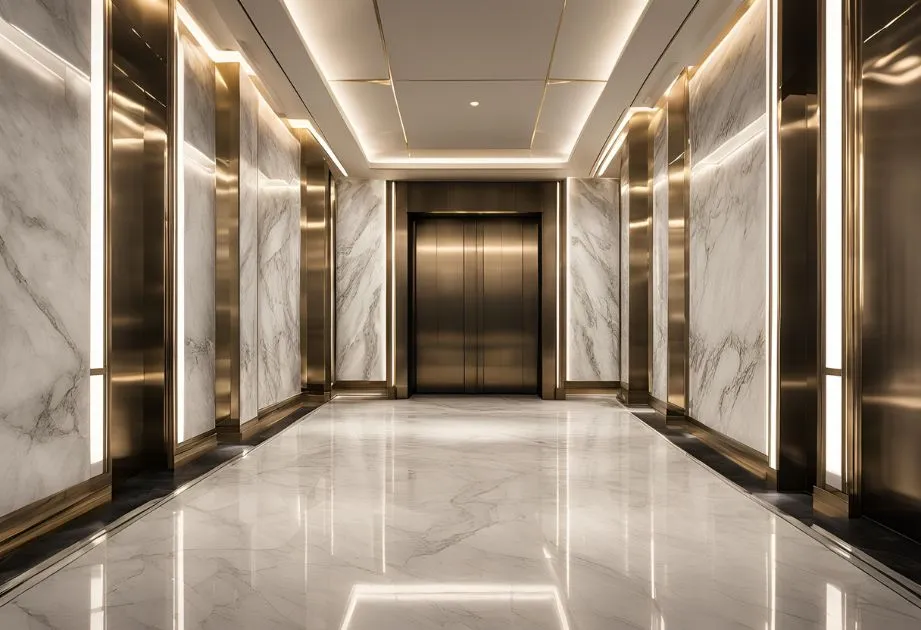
(303, 123)
(216, 55)
(617, 139)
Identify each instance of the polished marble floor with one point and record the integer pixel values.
(466, 514)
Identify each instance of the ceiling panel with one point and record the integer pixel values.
(592, 37)
(438, 115)
(373, 115)
(342, 36)
(565, 109)
(469, 40)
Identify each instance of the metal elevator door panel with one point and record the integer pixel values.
(476, 305)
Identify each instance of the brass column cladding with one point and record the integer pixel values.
(140, 240)
(400, 303)
(478, 197)
(637, 151)
(676, 113)
(800, 270)
(227, 350)
(315, 298)
(886, 299)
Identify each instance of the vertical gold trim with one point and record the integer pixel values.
(854, 253)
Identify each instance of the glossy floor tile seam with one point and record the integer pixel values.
(461, 513)
(13, 587)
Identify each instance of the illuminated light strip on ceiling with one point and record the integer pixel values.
(303, 123)
(617, 140)
(472, 162)
(217, 55)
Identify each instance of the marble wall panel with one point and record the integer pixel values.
(593, 230)
(278, 254)
(249, 274)
(729, 91)
(728, 240)
(199, 209)
(45, 201)
(361, 280)
(624, 276)
(660, 264)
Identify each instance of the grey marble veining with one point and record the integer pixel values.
(249, 274)
(361, 280)
(659, 382)
(729, 92)
(45, 202)
(278, 252)
(593, 347)
(624, 277)
(474, 513)
(62, 26)
(199, 228)
(727, 388)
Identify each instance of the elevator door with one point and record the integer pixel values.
(476, 305)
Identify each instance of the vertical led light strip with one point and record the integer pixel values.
(773, 217)
(97, 238)
(393, 286)
(179, 274)
(559, 224)
(834, 242)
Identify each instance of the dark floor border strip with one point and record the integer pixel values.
(14, 587)
(753, 487)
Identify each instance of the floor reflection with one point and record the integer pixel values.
(469, 513)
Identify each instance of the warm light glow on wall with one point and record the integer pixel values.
(303, 123)
(97, 238)
(179, 275)
(773, 217)
(833, 121)
(617, 140)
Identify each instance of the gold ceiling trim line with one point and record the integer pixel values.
(380, 28)
(543, 96)
(386, 82)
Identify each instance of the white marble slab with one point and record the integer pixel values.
(729, 92)
(593, 230)
(249, 242)
(199, 208)
(61, 26)
(361, 280)
(279, 202)
(474, 513)
(624, 277)
(659, 382)
(728, 241)
(45, 198)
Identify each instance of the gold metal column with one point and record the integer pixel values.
(316, 301)
(227, 372)
(636, 168)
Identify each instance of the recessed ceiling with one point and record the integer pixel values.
(537, 68)
(389, 83)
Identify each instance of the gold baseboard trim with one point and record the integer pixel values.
(745, 456)
(363, 389)
(668, 410)
(195, 447)
(632, 398)
(829, 503)
(268, 417)
(591, 388)
(30, 522)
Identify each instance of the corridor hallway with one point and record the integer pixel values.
(461, 513)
